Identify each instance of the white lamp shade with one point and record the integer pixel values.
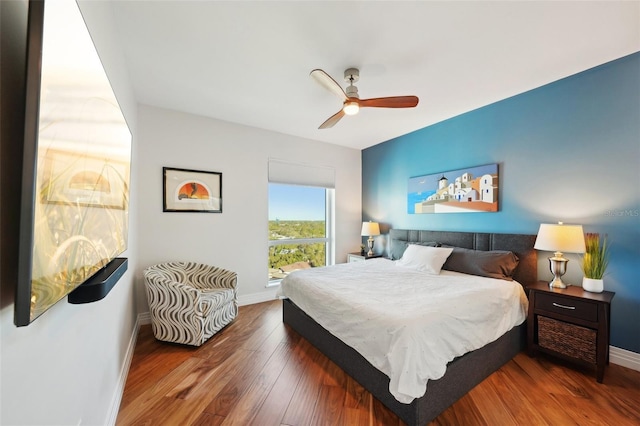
(370, 228)
(560, 237)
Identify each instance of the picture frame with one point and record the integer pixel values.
(193, 191)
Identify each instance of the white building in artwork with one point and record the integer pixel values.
(442, 183)
(461, 189)
(488, 190)
(465, 195)
(464, 188)
(444, 193)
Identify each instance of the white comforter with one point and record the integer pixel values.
(406, 323)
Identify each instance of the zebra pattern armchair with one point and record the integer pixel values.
(190, 302)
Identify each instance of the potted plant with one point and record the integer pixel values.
(594, 262)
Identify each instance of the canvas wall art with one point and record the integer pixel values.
(474, 189)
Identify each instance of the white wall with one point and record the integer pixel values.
(236, 239)
(66, 367)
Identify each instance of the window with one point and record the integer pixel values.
(300, 228)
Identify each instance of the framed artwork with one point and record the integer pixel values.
(474, 189)
(75, 178)
(191, 191)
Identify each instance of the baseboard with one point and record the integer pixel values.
(144, 318)
(124, 372)
(624, 358)
(263, 296)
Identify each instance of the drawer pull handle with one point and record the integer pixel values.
(563, 306)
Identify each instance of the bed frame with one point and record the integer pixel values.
(463, 373)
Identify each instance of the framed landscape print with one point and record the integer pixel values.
(191, 191)
(474, 189)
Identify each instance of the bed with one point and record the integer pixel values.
(463, 372)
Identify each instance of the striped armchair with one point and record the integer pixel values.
(189, 302)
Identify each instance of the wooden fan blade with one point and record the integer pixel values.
(331, 121)
(390, 102)
(328, 83)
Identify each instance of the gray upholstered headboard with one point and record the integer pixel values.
(520, 244)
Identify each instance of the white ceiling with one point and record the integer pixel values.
(248, 62)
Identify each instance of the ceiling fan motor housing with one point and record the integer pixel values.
(352, 91)
(351, 75)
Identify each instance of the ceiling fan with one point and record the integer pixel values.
(351, 102)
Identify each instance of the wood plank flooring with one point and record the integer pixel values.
(257, 371)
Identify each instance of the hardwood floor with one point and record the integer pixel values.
(258, 371)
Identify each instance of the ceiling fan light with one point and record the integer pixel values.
(351, 108)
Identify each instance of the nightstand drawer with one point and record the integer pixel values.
(567, 306)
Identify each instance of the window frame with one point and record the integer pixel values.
(328, 239)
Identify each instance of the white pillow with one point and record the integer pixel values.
(424, 258)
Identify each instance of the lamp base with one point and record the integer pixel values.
(558, 283)
(558, 266)
(370, 243)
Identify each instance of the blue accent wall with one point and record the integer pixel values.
(567, 151)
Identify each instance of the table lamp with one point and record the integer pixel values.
(370, 229)
(559, 238)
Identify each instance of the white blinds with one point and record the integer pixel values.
(281, 171)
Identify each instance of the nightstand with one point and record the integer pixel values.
(357, 257)
(570, 323)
